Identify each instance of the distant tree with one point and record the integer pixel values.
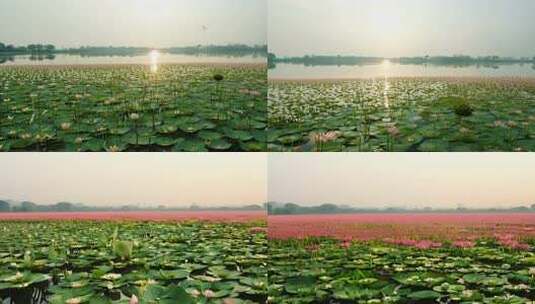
(461, 209)
(50, 48)
(290, 208)
(2, 47)
(271, 60)
(327, 208)
(269, 207)
(10, 47)
(533, 206)
(4, 206)
(129, 207)
(28, 207)
(63, 207)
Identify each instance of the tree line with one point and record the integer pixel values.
(28, 206)
(28, 49)
(339, 60)
(237, 50)
(291, 208)
(230, 50)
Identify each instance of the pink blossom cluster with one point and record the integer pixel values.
(511, 241)
(464, 244)
(422, 230)
(421, 244)
(256, 230)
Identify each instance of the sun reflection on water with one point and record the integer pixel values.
(386, 66)
(154, 57)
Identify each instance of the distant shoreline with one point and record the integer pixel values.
(430, 78)
(457, 60)
(411, 213)
(115, 65)
(133, 215)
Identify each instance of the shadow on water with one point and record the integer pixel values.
(4, 59)
(13, 59)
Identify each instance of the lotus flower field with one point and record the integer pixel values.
(214, 216)
(402, 114)
(134, 261)
(402, 258)
(178, 107)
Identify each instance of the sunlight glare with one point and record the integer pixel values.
(386, 66)
(154, 56)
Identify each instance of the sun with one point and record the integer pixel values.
(385, 25)
(154, 55)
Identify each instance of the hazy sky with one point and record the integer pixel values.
(393, 28)
(403, 179)
(172, 179)
(156, 23)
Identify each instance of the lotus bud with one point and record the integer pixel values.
(65, 126)
(393, 131)
(113, 148)
(76, 300)
(208, 293)
(133, 300)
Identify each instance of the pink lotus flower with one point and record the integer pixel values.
(345, 244)
(256, 230)
(133, 300)
(427, 244)
(513, 244)
(324, 137)
(464, 244)
(312, 248)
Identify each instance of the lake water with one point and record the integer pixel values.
(150, 58)
(387, 69)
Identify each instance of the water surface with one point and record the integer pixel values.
(149, 58)
(388, 69)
